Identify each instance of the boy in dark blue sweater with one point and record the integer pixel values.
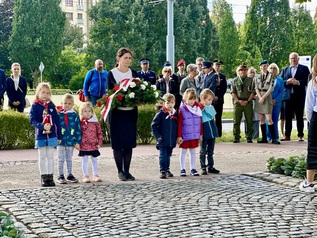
(164, 128)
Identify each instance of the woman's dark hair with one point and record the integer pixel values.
(121, 52)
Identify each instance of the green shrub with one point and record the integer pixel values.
(7, 227)
(295, 166)
(16, 131)
(146, 115)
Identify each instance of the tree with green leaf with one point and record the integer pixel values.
(142, 26)
(37, 33)
(73, 36)
(268, 28)
(6, 15)
(228, 36)
(304, 31)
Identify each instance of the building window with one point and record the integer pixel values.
(68, 3)
(69, 16)
(80, 18)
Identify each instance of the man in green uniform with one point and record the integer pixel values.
(242, 91)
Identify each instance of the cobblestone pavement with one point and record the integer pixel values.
(219, 206)
(243, 201)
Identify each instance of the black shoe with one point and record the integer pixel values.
(51, 180)
(45, 180)
(262, 141)
(275, 141)
(213, 171)
(163, 175)
(236, 141)
(249, 141)
(61, 179)
(129, 176)
(70, 178)
(121, 176)
(169, 174)
(203, 172)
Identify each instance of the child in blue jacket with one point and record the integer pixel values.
(71, 138)
(43, 116)
(209, 132)
(164, 128)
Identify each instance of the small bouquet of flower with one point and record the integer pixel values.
(129, 93)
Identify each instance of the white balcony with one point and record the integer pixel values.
(80, 21)
(80, 7)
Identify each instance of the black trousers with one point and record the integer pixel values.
(219, 109)
(294, 106)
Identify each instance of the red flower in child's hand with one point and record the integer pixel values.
(137, 80)
(98, 104)
(119, 97)
(116, 88)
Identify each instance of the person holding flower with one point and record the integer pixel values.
(122, 120)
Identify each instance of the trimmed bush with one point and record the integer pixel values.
(16, 131)
(146, 115)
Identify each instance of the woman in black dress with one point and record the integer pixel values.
(16, 88)
(123, 121)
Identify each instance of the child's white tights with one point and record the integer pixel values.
(46, 159)
(192, 158)
(94, 165)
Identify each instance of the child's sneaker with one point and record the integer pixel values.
(213, 171)
(70, 178)
(61, 179)
(163, 175)
(194, 172)
(307, 187)
(183, 172)
(86, 179)
(169, 174)
(97, 178)
(203, 171)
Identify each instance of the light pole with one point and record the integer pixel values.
(170, 31)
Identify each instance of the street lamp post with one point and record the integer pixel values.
(170, 31)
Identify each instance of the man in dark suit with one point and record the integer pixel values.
(145, 73)
(295, 79)
(3, 87)
(220, 90)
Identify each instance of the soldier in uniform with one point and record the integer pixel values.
(264, 87)
(145, 73)
(242, 91)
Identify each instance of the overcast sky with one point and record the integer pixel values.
(239, 7)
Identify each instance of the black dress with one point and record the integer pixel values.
(123, 123)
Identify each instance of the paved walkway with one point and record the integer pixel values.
(235, 203)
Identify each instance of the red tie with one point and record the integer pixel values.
(66, 119)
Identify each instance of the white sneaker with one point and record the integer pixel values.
(307, 187)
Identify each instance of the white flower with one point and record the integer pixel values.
(131, 95)
(143, 87)
(132, 85)
(156, 94)
(146, 83)
(154, 87)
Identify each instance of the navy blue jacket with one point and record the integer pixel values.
(3, 83)
(165, 128)
(16, 95)
(36, 120)
(149, 76)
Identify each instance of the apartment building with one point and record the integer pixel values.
(76, 13)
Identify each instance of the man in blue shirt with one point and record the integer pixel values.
(95, 83)
(145, 73)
